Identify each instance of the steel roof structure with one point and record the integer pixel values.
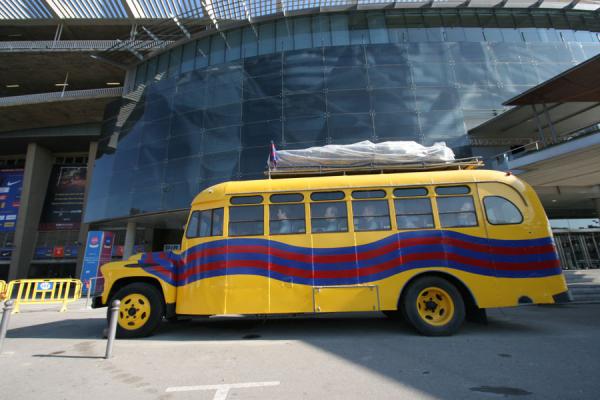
(214, 10)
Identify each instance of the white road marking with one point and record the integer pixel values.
(221, 390)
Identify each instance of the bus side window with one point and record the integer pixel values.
(371, 215)
(205, 223)
(414, 213)
(329, 217)
(501, 211)
(286, 219)
(246, 220)
(457, 211)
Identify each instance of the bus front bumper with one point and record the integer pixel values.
(563, 297)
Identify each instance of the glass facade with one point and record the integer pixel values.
(206, 111)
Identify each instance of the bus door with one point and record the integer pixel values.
(509, 220)
(464, 236)
(337, 276)
(246, 258)
(290, 255)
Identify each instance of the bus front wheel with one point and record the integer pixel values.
(140, 312)
(434, 306)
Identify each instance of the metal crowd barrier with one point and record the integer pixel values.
(2, 290)
(44, 291)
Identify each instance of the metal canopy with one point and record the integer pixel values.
(237, 9)
(578, 84)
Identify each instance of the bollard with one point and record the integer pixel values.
(112, 327)
(8, 306)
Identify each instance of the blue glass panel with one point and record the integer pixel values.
(590, 50)
(390, 76)
(427, 52)
(512, 35)
(175, 61)
(391, 54)
(300, 105)
(155, 130)
(441, 125)
(253, 160)
(184, 146)
(304, 58)
(348, 101)
(479, 74)
(437, 99)
(510, 51)
(585, 36)
(151, 70)
(344, 56)
(249, 43)
(189, 123)
(350, 128)
(261, 133)
(129, 139)
(223, 94)
(481, 100)
(222, 139)
(263, 65)
(345, 78)
(397, 126)
(549, 70)
(120, 182)
(266, 44)
(312, 131)
(191, 97)
(531, 34)
(297, 78)
(223, 116)
(217, 50)
(153, 152)
(377, 29)
(340, 35)
(567, 35)
(183, 169)
(469, 51)
(163, 65)
(455, 34)
(435, 34)
(392, 100)
(147, 176)
(179, 195)
(221, 165)
(202, 52)
(474, 34)
(284, 38)
(146, 201)
(321, 30)
(417, 35)
(234, 40)
(302, 33)
(188, 58)
(159, 108)
(262, 86)
(432, 74)
(493, 34)
(262, 109)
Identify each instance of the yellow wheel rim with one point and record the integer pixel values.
(435, 306)
(134, 311)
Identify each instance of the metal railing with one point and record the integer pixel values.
(75, 45)
(44, 291)
(60, 96)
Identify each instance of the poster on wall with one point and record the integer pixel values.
(11, 185)
(98, 250)
(63, 207)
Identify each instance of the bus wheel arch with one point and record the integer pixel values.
(450, 287)
(142, 307)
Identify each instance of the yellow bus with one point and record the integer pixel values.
(432, 246)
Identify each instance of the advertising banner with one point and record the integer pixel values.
(64, 200)
(98, 250)
(11, 185)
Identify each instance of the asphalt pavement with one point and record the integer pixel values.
(533, 352)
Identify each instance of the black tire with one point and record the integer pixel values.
(446, 325)
(156, 312)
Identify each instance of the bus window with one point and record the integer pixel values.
(246, 220)
(410, 192)
(457, 211)
(371, 215)
(324, 196)
(414, 213)
(501, 211)
(286, 219)
(287, 198)
(448, 190)
(205, 223)
(329, 217)
(368, 194)
(247, 199)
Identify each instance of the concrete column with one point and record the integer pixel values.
(38, 166)
(84, 229)
(129, 240)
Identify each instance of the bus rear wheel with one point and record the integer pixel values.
(434, 306)
(140, 312)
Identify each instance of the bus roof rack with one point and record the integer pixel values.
(319, 170)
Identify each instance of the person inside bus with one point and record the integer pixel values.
(466, 217)
(284, 225)
(331, 219)
(368, 222)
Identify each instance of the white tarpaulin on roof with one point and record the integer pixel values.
(365, 153)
